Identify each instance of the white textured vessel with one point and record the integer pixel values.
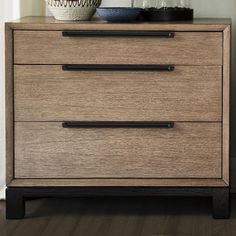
(73, 9)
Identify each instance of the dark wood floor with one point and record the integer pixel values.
(119, 217)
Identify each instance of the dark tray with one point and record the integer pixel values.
(167, 14)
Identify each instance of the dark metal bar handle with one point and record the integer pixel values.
(107, 33)
(78, 67)
(115, 124)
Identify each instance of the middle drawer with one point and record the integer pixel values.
(47, 93)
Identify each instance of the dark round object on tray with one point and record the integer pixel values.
(119, 14)
(167, 14)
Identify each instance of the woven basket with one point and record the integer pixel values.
(73, 9)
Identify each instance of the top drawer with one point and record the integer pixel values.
(51, 47)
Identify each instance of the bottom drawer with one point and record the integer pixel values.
(47, 150)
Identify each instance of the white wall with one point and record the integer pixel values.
(31, 7)
(5, 14)
(203, 8)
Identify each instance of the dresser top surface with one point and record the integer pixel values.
(49, 23)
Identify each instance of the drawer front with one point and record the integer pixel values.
(50, 47)
(47, 150)
(47, 93)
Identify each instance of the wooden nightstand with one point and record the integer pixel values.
(127, 109)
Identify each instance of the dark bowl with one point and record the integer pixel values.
(167, 14)
(119, 14)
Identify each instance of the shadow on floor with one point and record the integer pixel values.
(116, 216)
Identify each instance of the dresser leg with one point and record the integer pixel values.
(221, 203)
(15, 204)
(15, 197)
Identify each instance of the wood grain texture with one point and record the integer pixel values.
(49, 23)
(46, 93)
(50, 47)
(221, 28)
(226, 102)
(117, 182)
(9, 103)
(46, 150)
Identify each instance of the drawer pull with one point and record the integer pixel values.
(80, 67)
(107, 33)
(114, 124)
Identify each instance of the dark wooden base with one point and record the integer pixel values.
(16, 196)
